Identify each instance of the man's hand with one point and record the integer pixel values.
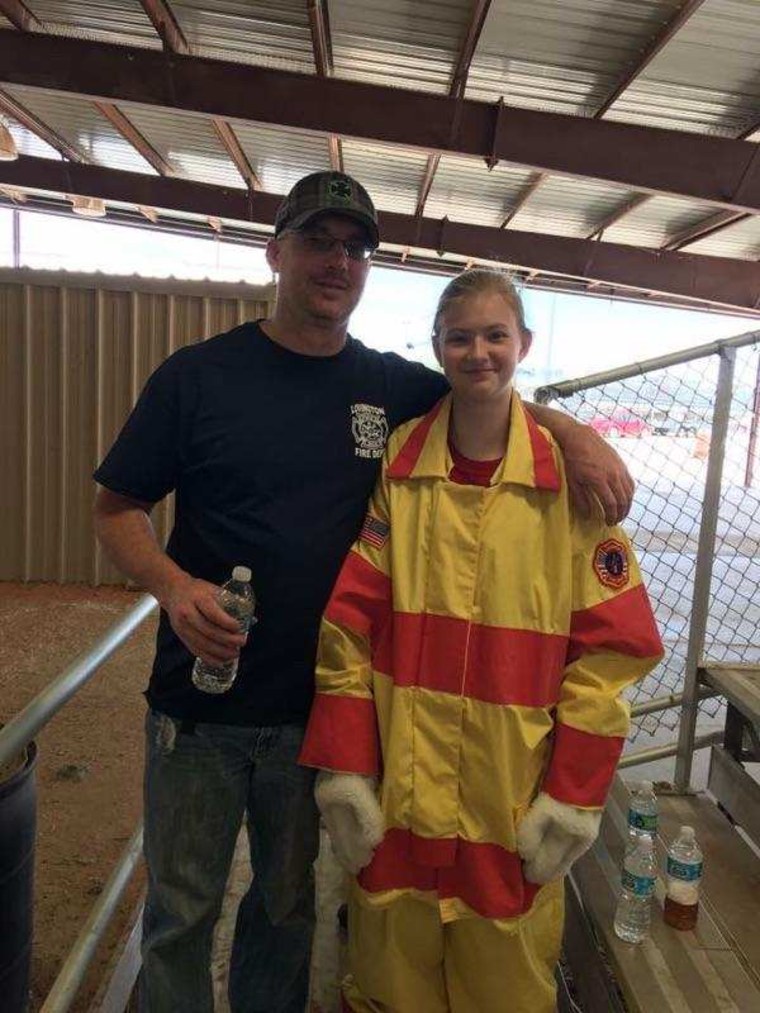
(597, 478)
(200, 622)
(596, 475)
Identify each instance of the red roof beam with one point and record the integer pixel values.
(457, 88)
(320, 37)
(34, 125)
(704, 229)
(321, 43)
(717, 280)
(475, 25)
(167, 27)
(679, 19)
(523, 197)
(20, 16)
(232, 145)
(707, 168)
(130, 133)
(747, 132)
(620, 212)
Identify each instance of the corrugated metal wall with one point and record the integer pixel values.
(75, 351)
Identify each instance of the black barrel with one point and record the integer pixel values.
(18, 817)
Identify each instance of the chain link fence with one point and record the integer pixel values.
(666, 418)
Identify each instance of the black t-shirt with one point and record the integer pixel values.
(273, 456)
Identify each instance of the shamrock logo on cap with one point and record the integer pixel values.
(340, 189)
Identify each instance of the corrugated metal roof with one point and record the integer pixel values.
(465, 191)
(105, 20)
(565, 55)
(29, 143)
(249, 31)
(79, 122)
(708, 76)
(187, 141)
(678, 107)
(400, 43)
(568, 207)
(562, 55)
(279, 155)
(657, 220)
(740, 240)
(393, 175)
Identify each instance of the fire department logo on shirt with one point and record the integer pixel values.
(611, 563)
(370, 428)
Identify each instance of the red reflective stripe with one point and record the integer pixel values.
(342, 735)
(403, 463)
(382, 654)
(624, 624)
(488, 663)
(582, 766)
(545, 471)
(520, 667)
(361, 598)
(486, 877)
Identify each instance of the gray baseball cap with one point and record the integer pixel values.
(322, 193)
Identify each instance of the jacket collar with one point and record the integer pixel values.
(529, 459)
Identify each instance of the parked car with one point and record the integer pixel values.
(675, 421)
(620, 422)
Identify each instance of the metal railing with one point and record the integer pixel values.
(686, 424)
(18, 733)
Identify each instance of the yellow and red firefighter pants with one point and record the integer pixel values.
(404, 959)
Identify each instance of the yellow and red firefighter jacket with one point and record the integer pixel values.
(473, 653)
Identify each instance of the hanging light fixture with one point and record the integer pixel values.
(88, 207)
(8, 149)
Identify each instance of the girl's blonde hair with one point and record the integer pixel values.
(474, 282)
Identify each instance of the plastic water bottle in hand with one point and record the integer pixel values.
(238, 600)
(684, 876)
(642, 814)
(634, 911)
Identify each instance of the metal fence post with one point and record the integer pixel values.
(704, 566)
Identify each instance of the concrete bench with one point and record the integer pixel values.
(716, 967)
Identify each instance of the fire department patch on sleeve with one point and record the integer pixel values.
(374, 531)
(611, 563)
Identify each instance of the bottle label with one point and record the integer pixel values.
(642, 886)
(687, 871)
(643, 821)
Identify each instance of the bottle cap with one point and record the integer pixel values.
(687, 833)
(241, 573)
(645, 786)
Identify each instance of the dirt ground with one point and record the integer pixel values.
(89, 765)
(89, 774)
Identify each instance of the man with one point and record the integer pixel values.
(271, 435)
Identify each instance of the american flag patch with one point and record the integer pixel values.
(374, 531)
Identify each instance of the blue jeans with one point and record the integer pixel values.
(199, 781)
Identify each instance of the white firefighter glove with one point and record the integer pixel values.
(352, 816)
(553, 835)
